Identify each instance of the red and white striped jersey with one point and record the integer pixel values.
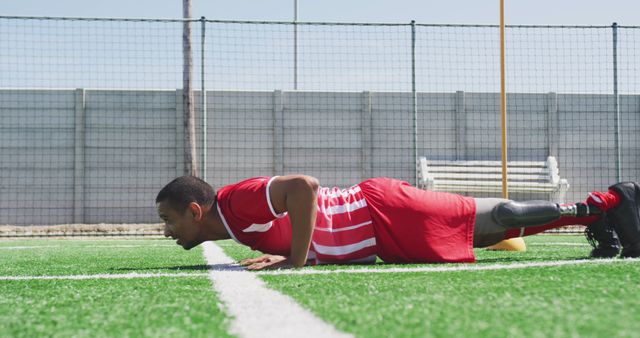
(343, 231)
(379, 217)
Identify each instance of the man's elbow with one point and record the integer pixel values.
(312, 182)
(309, 183)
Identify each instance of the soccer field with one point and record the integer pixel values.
(151, 287)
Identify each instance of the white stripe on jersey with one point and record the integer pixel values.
(345, 228)
(344, 193)
(259, 227)
(348, 207)
(344, 249)
(226, 225)
(273, 211)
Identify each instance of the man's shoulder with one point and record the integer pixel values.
(383, 181)
(253, 181)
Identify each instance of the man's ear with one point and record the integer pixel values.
(196, 211)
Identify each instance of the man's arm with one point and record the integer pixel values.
(297, 195)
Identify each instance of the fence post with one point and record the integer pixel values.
(203, 93)
(295, 45)
(79, 156)
(278, 132)
(415, 99)
(616, 101)
(191, 159)
(461, 126)
(180, 154)
(367, 135)
(552, 124)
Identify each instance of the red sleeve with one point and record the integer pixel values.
(249, 201)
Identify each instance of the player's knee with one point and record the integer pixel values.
(514, 214)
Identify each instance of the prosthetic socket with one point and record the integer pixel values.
(514, 214)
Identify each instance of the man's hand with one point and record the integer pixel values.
(266, 262)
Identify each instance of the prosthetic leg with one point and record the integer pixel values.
(514, 214)
(543, 215)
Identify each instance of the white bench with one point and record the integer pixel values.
(486, 177)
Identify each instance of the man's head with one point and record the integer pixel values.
(182, 204)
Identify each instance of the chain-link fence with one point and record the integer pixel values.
(92, 110)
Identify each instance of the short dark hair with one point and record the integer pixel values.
(184, 190)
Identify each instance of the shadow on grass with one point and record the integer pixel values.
(236, 267)
(199, 267)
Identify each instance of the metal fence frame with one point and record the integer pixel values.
(410, 38)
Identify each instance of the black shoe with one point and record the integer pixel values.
(625, 218)
(603, 239)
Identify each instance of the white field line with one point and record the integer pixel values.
(230, 268)
(256, 310)
(132, 275)
(26, 247)
(448, 268)
(86, 240)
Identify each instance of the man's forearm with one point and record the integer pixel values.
(302, 208)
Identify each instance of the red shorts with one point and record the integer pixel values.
(419, 226)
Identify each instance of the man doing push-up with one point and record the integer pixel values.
(294, 221)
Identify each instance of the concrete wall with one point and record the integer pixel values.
(92, 156)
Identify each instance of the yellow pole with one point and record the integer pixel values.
(513, 244)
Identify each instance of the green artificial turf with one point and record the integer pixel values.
(74, 257)
(159, 307)
(584, 301)
(593, 300)
(588, 300)
(149, 307)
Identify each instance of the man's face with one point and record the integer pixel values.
(179, 226)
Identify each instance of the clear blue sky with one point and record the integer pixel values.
(257, 58)
(568, 12)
